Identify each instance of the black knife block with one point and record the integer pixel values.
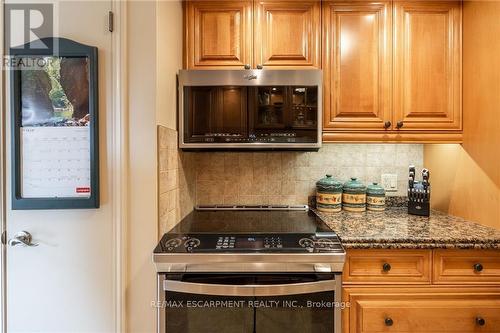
(419, 199)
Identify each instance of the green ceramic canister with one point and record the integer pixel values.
(375, 197)
(354, 196)
(329, 195)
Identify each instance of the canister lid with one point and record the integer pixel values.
(328, 184)
(354, 186)
(375, 188)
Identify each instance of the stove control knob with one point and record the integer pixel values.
(324, 243)
(192, 243)
(173, 243)
(306, 242)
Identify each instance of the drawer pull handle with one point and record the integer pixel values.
(480, 321)
(386, 267)
(478, 267)
(388, 322)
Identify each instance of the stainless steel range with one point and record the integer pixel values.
(249, 269)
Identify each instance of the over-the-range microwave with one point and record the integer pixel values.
(250, 109)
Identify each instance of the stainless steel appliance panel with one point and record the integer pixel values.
(301, 303)
(250, 109)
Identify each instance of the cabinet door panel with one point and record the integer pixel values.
(218, 34)
(460, 267)
(357, 65)
(422, 310)
(427, 69)
(287, 33)
(404, 266)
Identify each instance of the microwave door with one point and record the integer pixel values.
(284, 114)
(270, 109)
(215, 114)
(261, 109)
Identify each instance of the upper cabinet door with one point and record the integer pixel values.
(287, 33)
(427, 72)
(218, 34)
(357, 65)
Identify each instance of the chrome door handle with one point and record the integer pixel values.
(248, 290)
(22, 238)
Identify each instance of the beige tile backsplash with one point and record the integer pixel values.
(290, 177)
(176, 180)
(189, 178)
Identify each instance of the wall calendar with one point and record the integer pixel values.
(54, 126)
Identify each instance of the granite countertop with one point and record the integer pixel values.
(395, 228)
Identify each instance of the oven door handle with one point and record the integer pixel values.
(249, 289)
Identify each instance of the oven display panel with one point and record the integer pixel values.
(303, 243)
(249, 243)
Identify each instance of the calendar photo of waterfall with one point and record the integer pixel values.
(56, 94)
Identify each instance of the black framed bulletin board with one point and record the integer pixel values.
(54, 103)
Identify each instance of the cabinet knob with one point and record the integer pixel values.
(399, 124)
(480, 321)
(387, 124)
(388, 321)
(259, 66)
(247, 66)
(478, 267)
(386, 267)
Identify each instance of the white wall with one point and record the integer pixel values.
(154, 56)
(168, 61)
(142, 165)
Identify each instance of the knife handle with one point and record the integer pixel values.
(425, 174)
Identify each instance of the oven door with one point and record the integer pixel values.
(195, 303)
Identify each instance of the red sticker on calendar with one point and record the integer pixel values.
(83, 190)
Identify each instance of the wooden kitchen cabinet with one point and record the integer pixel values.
(287, 34)
(392, 71)
(427, 65)
(466, 267)
(422, 310)
(232, 34)
(459, 297)
(218, 34)
(357, 65)
(387, 266)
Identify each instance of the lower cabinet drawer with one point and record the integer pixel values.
(422, 311)
(387, 266)
(466, 267)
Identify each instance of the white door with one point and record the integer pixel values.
(66, 283)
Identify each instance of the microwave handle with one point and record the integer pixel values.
(249, 290)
